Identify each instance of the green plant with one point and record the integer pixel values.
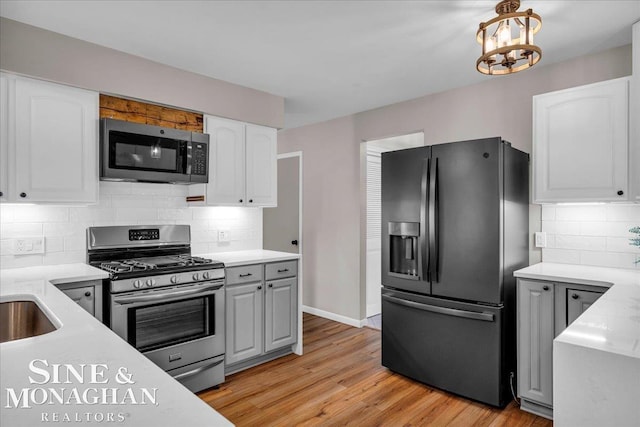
(635, 241)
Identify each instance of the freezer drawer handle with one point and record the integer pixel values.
(197, 370)
(487, 317)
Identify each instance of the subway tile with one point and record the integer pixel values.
(170, 202)
(112, 187)
(623, 212)
(14, 230)
(136, 214)
(17, 261)
(67, 257)
(53, 244)
(90, 214)
(200, 248)
(561, 227)
(175, 214)
(581, 213)
(620, 244)
(563, 256)
(65, 229)
(41, 214)
(590, 243)
(608, 259)
(132, 201)
(6, 213)
(75, 243)
(548, 213)
(149, 189)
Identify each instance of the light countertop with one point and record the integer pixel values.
(81, 339)
(596, 359)
(256, 256)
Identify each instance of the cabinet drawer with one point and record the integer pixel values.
(244, 274)
(280, 270)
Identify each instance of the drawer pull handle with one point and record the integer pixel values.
(284, 270)
(246, 275)
(545, 287)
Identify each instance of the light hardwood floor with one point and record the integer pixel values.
(339, 381)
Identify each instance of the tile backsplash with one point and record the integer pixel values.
(64, 228)
(591, 235)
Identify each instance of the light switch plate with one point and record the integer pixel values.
(541, 239)
(28, 245)
(223, 235)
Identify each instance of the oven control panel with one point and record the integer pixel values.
(144, 234)
(160, 280)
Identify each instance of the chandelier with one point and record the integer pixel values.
(507, 40)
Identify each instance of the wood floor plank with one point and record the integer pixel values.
(339, 381)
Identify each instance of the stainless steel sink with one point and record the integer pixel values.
(22, 319)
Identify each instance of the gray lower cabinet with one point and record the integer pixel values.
(244, 319)
(545, 309)
(535, 342)
(281, 313)
(87, 294)
(261, 316)
(578, 301)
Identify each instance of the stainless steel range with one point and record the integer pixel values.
(163, 301)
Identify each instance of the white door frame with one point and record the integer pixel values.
(297, 348)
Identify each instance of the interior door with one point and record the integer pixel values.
(281, 225)
(467, 216)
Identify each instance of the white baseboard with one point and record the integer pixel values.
(374, 309)
(332, 316)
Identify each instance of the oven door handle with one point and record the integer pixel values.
(166, 296)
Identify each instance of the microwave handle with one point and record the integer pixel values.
(189, 158)
(166, 296)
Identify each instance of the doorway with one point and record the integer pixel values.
(373, 261)
(282, 225)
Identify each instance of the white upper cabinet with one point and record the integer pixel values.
(242, 164)
(226, 161)
(580, 144)
(634, 124)
(262, 174)
(52, 142)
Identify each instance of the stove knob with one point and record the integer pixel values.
(174, 279)
(137, 284)
(151, 282)
(205, 275)
(196, 276)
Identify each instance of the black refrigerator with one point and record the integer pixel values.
(455, 221)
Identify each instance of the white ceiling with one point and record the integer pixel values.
(326, 58)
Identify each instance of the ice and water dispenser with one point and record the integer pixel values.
(404, 250)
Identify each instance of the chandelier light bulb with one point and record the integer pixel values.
(502, 53)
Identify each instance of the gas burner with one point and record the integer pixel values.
(193, 260)
(125, 266)
(139, 265)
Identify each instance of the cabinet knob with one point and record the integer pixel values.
(259, 287)
(575, 296)
(545, 287)
(620, 192)
(87, 294)
(250, 200)
(1, 194)
(240, 200)
(23, 195)
(271, 285)
(294, 242)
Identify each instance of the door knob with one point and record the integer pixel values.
(294, 242)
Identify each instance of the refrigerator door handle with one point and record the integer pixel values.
(487, 317)
(432, 215)
(436, 229)
(425, 258)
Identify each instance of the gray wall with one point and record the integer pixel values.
(32, 51)
(334, 212)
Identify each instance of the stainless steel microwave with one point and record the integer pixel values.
(139, 152)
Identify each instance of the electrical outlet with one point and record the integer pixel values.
(541, 239)
(28, 245)
(223, 235)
